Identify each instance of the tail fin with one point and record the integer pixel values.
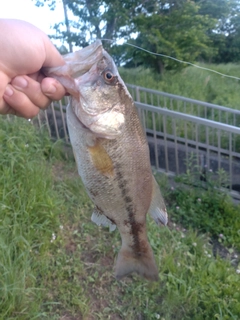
(142, 263)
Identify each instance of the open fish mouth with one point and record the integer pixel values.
(81, 61)
(76, 64)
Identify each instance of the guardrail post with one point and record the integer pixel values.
(137, 95)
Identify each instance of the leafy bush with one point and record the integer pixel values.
(204, 206)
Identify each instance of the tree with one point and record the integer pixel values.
(226, 34)
(173, 28)
(188, 30)
(93, 19)
(64, 34)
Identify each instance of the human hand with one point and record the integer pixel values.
(25, 49)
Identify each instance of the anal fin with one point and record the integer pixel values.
(101, 220)
(157, 207)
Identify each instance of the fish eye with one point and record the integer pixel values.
(108, 75)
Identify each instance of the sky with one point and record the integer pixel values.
(43, 17)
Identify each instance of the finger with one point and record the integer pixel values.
(4, 80)
(53, 57)
(18, 103)
(6, 109)
(32, 89)
(52, 88)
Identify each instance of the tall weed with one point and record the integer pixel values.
(29, 210)
(192, 82)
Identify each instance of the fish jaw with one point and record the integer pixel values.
(76, 64)
(100, 107)
(81, 61)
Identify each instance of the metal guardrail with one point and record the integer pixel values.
(54, 119)
(185, 105)
(174, 136)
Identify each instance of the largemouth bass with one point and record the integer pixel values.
(112, 155)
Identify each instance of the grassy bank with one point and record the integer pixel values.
(56, 264)
(29, 210)
(192, 83)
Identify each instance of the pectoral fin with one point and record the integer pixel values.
(101, 220)
(157, 207)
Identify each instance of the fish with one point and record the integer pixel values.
(112, 155)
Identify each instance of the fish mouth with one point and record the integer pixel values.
(92, 84)
(82, 61)
(76, 63)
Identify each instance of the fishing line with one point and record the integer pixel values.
(175, 59)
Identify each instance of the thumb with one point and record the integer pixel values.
(53, 57)
(52, 88)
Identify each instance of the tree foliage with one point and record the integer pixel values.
(187, 30)
(176, 30)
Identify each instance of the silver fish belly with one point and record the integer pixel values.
(112, 157)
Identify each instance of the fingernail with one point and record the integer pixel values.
(19, 82)
(8, 91)
(51, 89)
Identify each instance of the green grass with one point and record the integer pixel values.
(28, 216)
(192, 82)
(56, 264)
